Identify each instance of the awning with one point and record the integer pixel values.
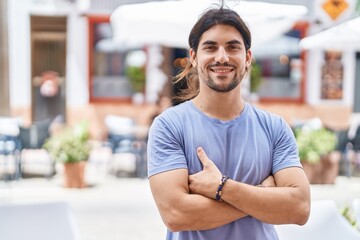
(345, 36)
(169, 22)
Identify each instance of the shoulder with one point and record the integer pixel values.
(172, 118)
(174, 114)
(274, 124)
(265, 116)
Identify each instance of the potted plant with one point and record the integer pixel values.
(255, 77)
(315, 148)
(136, 75)
(255, 81)
(71, 147)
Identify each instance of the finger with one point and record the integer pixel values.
(202, 156)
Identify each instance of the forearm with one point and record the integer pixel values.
(196, 212)
(276, 205)
(288, 202)
(181, 210)
(207, 213)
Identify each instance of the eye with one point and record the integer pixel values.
(234, 47)
(210, 47)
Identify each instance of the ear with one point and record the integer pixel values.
(248, 58)
(192, 54)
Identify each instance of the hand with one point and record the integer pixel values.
(205, 182)
(268, 182)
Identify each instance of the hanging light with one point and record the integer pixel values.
(49, 86)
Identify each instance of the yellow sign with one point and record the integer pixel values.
(335, 7)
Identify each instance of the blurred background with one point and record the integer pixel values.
(82, 80)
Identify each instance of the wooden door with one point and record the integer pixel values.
(48, 67)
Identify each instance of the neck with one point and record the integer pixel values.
(223, 106)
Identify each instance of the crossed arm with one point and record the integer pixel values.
(288, 202)
(181, 210)
(187, 202)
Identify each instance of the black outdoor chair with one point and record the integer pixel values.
(356, 140)
(32, 139)
(356, 147)
(343, 145)
(9, 157)
(123, 140)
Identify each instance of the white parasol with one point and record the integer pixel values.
(169, 22)
(345, 36)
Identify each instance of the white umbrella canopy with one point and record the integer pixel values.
(280, 45)
(169, 22)
(345, 36)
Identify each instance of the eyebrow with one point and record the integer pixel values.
(234, 42)
(209, 42)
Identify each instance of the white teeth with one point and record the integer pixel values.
(222, 71)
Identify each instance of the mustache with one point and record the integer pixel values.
(217, 64)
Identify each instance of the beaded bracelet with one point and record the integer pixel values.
(221, 184)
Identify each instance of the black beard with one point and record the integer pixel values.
(232, 85)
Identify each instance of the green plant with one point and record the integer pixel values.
(70, 145)
(349, 216)
(136, 76)
(255, 77)
(314, 143)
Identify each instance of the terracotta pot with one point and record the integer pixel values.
(324, 171)
(74, 174)
(331, 163)
(313, 171)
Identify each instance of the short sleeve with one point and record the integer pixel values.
(165, 151)
(286, 153)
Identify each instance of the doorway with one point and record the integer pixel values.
(48, 67)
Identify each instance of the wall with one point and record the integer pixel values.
(4, 65)
(313, 85)
(20, 52)
(334, 114)
(337, 113)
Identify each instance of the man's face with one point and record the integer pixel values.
(221, 58)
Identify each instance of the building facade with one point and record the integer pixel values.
(60, 63)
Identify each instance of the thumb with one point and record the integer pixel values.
(203, 157)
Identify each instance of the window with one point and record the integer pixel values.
(332, 74)
(281, 66)
(108, 69)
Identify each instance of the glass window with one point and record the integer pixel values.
(332, 74)
(280, 66)
(110, 75)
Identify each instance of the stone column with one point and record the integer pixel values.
(4, 60)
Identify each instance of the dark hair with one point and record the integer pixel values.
(218, 16)
(207, 20)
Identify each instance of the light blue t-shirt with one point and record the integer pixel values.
(247, 149)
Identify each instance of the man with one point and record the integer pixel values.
(208, 155)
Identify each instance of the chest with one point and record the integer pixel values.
(240, 151)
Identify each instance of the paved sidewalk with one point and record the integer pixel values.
(115, 209)
(123, 208)
(342, 192)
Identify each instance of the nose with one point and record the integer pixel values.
(221, 56)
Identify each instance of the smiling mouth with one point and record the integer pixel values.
(221, 70)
